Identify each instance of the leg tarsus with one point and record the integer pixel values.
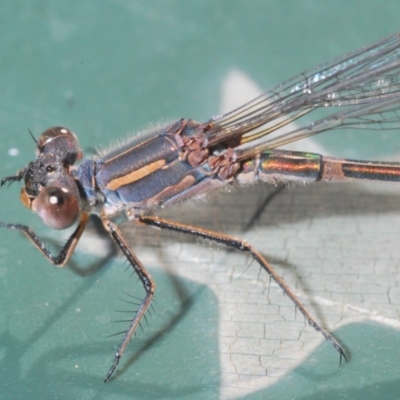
(113, 367)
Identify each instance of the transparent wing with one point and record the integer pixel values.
(381, 115)
(364, 85)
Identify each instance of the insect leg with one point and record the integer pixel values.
(148, 285)
(242, 245)
(62, 258)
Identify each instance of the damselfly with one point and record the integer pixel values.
(186, 160)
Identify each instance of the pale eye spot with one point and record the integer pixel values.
(65, 190)
(64, 130)
(53, 199)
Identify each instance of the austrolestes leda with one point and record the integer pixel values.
(186, 160)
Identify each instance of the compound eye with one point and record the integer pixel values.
(60, 141)
(58, 207)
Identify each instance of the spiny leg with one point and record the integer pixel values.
(148, 285)
(66, 252)
(242, 245)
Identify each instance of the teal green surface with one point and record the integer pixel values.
(104, 68)
(372, 374)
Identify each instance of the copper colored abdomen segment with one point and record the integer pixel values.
(345, 170)
(282, 166)
(285, 166)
